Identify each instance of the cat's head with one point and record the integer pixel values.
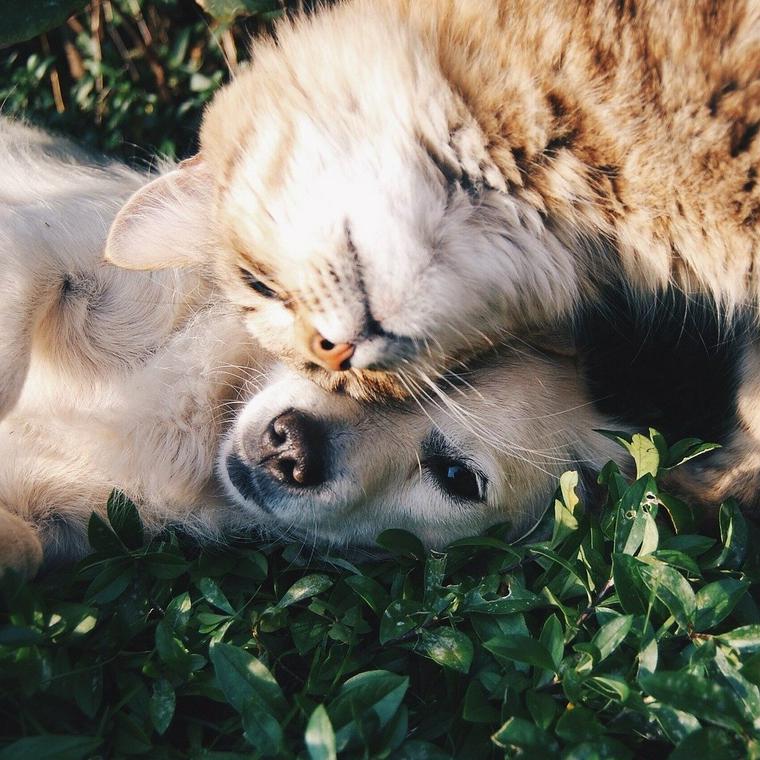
(345, 198)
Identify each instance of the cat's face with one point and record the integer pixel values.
(323, 468)
(345, 198)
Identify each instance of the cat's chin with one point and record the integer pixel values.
(361, 384)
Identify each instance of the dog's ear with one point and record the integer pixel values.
(165, 223)
(557, 340)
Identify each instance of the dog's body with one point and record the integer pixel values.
(110, 378)
(129, 380)
(392, 186)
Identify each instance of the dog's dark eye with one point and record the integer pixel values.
(455, 478)
(257, 285)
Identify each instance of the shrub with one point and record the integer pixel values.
(616, 634)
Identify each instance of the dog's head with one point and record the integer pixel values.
(324, 468)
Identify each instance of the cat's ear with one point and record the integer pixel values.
(165, 223)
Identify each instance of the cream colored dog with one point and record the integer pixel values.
(134, 381)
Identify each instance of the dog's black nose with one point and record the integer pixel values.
(292, 450)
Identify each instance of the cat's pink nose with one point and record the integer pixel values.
(333, 356)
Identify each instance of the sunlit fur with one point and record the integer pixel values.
(108, 378)
(132, 381)
(420, 177)
(521, 421)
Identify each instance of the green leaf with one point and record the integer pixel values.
(645, 455)
(419, 750)
(226, 11)
(262, 730)
(687, 449)
(476, 707)
(521, 649)
(518, 600)
(610, 636)
(165, 565)
(400, 618)
(102, 538)
(305, 588)
(672, 589)
(448, 647)
(376, 692)
(676, 724)
(401, 543)
(88, 691)
(243, 678)
(734, 536)
(370, 591)
(518, 732)
(631, 516)
(716, 601)
(631, 589)
(162, 705)
(744, 639)
(24, 20)
(171, 650)
(125, 520)
(553, 638)
(214, 595)
(695, 695)
(51, 747)
(320, 737)
(111, 582)
(578, 724)
(707, 742)
(435, 571)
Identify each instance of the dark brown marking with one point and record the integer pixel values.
(742, 136)
(558, 142)
(557, 105)
(714, 103)
(753, 217)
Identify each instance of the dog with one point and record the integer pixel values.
(150, 383)
(138, 381)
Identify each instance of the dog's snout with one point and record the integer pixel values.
(291, 449)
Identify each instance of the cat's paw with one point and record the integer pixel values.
(20, 546)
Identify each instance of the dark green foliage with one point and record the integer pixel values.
(124, 76)
(624, 634)
(22, 21)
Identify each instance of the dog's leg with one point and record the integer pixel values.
(20, 546)
(16, 329)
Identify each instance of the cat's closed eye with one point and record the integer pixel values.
(255, 284)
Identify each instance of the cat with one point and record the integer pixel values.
(391, 187)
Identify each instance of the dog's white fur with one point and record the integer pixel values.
(417, 178)
(129, 379)
(519, 423)
(109, 378)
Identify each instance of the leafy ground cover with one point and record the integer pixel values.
(623, 633)
(128, 77)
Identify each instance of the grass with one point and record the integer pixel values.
(626, 633)
(126, 77)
